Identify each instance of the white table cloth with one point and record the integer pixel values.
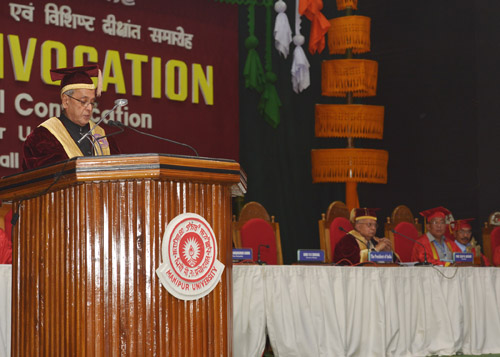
(366, 311)
(5, 308)
(351, 311)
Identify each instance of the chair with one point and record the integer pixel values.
(5, 231)
(402, 221)
(5, 217)
(491, 235)
(255, 228)
(332, 227)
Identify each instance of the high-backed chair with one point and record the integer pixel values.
(5, 217)
(256, 228)
(491, 235)
(402, 221)
(332, 227)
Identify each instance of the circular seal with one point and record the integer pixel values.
(192, 248)
(190, 268)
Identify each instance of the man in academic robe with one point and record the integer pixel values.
(434, 246)
(56, 139)
(355, 246)
(464, 242)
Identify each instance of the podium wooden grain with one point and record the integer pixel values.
(87, 246)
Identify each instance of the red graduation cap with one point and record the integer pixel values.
(439, 212)
(363, 213)
(78, 78)
(460, 224)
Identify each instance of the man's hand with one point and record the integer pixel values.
(384, 245)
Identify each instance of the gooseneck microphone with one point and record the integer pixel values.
(425, 262)
(260, 262)
(121, 125)
(118, 103)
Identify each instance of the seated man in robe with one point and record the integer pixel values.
(56, 139)
(434, 245)
(356, 245)
(464, 242)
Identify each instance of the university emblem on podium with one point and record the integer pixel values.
(190, 269)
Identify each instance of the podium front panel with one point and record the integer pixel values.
(84, 273)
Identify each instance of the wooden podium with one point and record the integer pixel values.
(86, 248)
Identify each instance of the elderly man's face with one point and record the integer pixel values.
(366, 227)
(463, 235)
(437, 227)
(79, 105)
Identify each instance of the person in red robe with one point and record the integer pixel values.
(465, 243)
(355, 246)
(56, 139)
(434, 247)
(496, 257)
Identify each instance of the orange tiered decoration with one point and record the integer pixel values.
(349, 165)
(349, 120)
(356, 76)
(349, 32)
(349, 78)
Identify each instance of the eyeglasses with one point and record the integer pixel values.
(84, 103)
(437, 223)
(370, 225)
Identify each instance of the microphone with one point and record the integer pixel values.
(118, 103)
(425, 262)
(121, 125)
(258, 253)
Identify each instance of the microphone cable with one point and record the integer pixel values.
(120, 124)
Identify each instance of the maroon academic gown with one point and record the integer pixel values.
(42, 148)
(348, 251)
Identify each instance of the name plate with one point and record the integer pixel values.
(381, 257)
(463, 257)
(311, 255)
(242, 254)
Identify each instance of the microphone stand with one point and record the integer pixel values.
(118, 103)
(425, 262)
(260, 262)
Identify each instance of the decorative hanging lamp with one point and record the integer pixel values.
(349, 32)
(349, 120)
(356, 76)
(349, 78)
(349, 165)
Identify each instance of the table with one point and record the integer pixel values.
(352, 311)
(366, 311)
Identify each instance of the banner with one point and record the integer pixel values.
(176, 62)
